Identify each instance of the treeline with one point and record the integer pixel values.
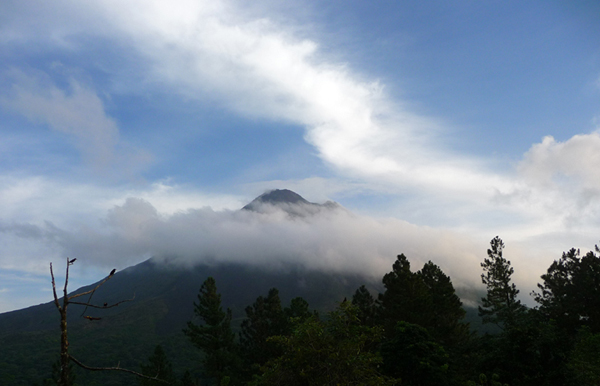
(413, 333)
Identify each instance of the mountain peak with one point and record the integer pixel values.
(290, 202)
(278, 196)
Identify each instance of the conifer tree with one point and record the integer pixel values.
(158, 367)
(405, 296)
(445, 312)
(297, 313)
(365, 303)
(265, 318)
(214, 336)
(570, 294)
(426, 298)
(500, 305)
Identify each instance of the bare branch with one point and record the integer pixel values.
(91, 291)
(103, 307)
(155, 378)
(54, 288)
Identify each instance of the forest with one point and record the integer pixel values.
(412, 333)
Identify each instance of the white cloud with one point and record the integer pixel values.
(331, 240)
(261, 68)
(77, 112)
(550, 162)
(562, 180)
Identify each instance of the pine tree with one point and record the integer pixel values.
(445, 312)
(159, 367)
(297, 313)
(187, 379)
(570, 294)
(405, 297)
(500, 305)
(365, 303)
(264, 318)
(426, 298)
(214, 337)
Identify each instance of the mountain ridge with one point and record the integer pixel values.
(288, 201)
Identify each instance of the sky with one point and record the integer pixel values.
(134, 129)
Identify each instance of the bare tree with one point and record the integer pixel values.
(65, 357)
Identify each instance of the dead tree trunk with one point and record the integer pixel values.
(65, 357)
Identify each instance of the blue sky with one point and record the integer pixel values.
(134, 129)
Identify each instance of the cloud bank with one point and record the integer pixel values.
(332, 240)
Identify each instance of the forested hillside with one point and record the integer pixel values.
(250, 327)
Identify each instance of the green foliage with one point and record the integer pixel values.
(264, 318)
(531, 349)
(426, 298)
(570, 294)
(483, 381)
(584, 361)
(405, 296)
(365, 303)
(158, 367)
(187, 380)
(330, 352)
(215, 336)
(501, 305)
(413, 356)
(54, 379)
(444, 308)
(297, 312)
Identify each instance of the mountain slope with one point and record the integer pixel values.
(163, 303)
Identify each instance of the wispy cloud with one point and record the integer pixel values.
(77, 112)
(262, 68)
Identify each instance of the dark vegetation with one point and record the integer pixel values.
(411, 330)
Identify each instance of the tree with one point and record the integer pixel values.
(365, 303)
(570, 294)
(158, 367)
(500, 305)
(64, 369)
(444, 308)
(214, 336)
(296, 313)
(413, 356)
(405, 297)
(329, 352)
(528, 350)
(264, 318)
(584, 361)
(187, 379)
(426, 298)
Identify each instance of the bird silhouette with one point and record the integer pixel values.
(72, 261)
(105, 304)
(112, 272)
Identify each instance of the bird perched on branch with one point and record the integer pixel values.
(72, 261)
(112, 272)
(105, 304)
